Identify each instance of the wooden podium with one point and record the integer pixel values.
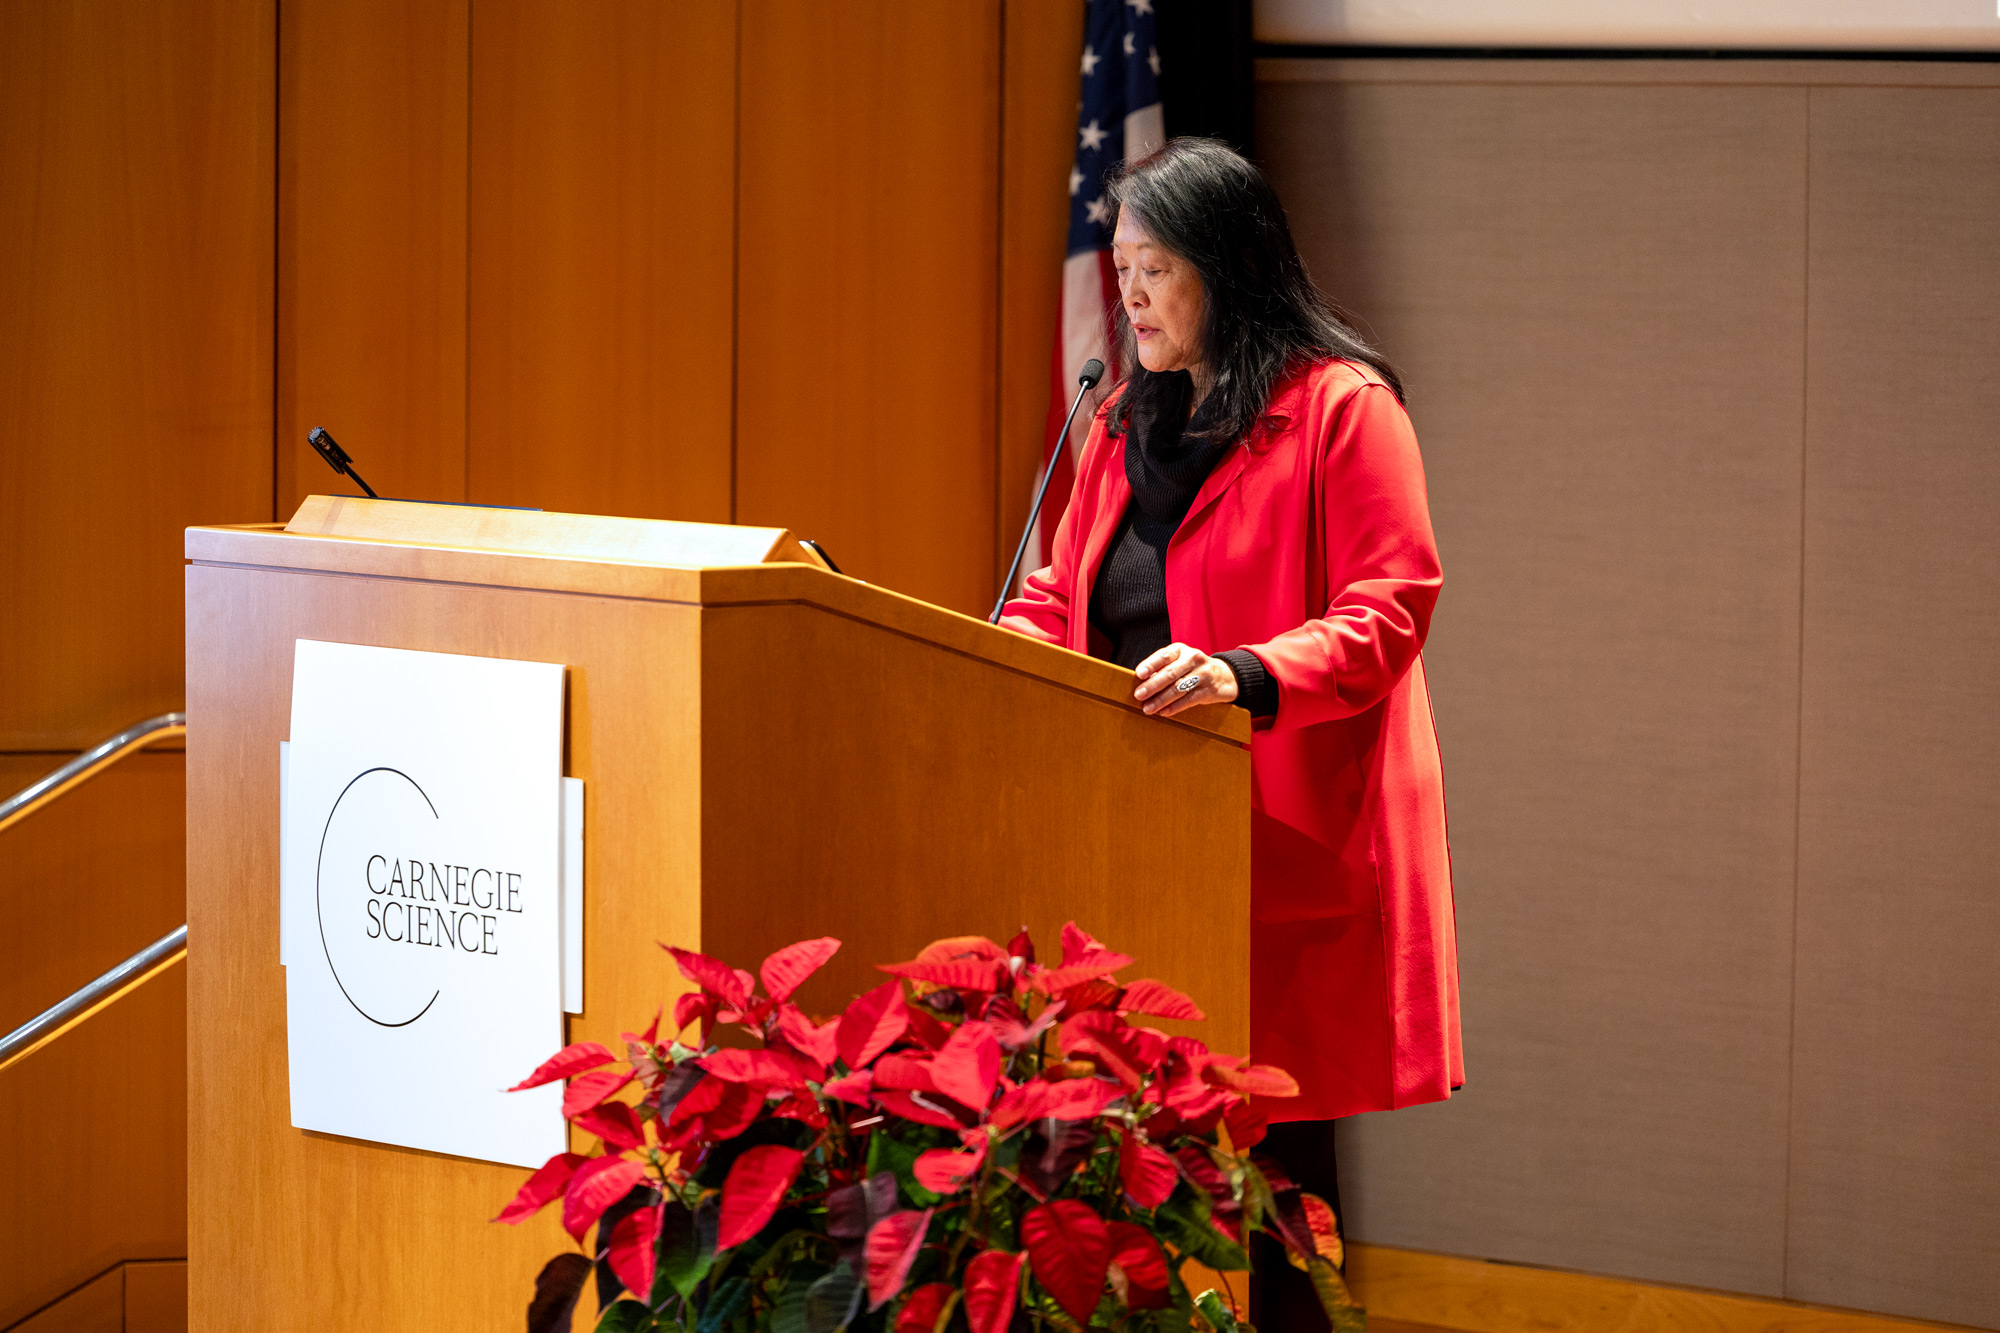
(771, 752)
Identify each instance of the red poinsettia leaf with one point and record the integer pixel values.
(714, 1111)
(1147, 1173)
(926, 1030)
(1202, 1172)
(1160, 1000)
(1022, 946)
(871, 1023)
(787, 969)
(1247, 1125)
(891, 1248)
(1038, 1099)
(567, 1063)
(1325, 1228)
(1076, 943)
(652, 1033)
(597, 1184)
(712, 974)
(852, 1088)
(693, 1005)
(1096, 993)
(942, 1171)
(1011, 1027)
(922, 1108)
(961, 946)
(968, 1067)
(897, 1070)
(550, 1179)
(587, 1091)
(816, 1041)
(753, 1190)
(973, 974)
(920, 1313)
(801, 1106)
(992, 1280)
(1100, 964)
(631, 1252)
(1070, 1248)
(766, 1068)
(736, 1112)
(614, 1122)
(1144, 1264)
(1125, 1052)
(1252, 1080)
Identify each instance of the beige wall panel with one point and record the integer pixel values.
(866, 291)
(1596, 294)
(371, 245)
(1895, 1200)
(94, 1172)
(135, 340)
(601, 285)
(1038, 144)
(89, 879)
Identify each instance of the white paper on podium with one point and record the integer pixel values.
(422, 915)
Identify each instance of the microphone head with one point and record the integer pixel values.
(1093, 371)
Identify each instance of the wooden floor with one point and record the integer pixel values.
(1409, 1291)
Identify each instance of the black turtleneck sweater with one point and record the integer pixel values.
(1128, 603)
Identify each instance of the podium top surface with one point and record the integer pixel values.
(699, 564)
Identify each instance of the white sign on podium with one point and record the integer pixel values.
(423, 914)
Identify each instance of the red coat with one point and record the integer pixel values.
(1312, 547)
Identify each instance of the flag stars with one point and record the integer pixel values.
(1091, 60)
(1075, 181)
(1128, 45)
(1098, 211)
(1140, 7)
(1092, 136)
(1153, 60)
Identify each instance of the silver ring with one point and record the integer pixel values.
(1186, 684)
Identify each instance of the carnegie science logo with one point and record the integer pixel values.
(402, 910)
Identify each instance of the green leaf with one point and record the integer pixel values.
(1216, 1311)
(1258, 1201)
(790, 1314)
(687, 1249)
(626, 1316)
(833, 1300)
(1183, 1221)
(723, 1307)
(886, 1152)
(1335, 1298)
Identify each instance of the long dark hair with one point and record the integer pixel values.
(1205, 202)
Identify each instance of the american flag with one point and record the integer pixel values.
(1118, 119)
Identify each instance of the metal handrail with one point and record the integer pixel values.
(54, 1021)
(89, 764)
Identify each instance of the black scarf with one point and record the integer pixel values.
(1165, 467)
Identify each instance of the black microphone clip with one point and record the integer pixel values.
(336, 458)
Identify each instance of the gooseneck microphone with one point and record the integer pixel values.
(337, 459)
(1093, 371)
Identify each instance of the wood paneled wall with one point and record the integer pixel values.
(135, 340)
(1698, 353)
(667, 260)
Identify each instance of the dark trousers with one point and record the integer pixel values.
(1282, 1299)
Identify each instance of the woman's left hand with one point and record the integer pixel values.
(1162, 676)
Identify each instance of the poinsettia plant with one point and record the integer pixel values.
(998, 1147)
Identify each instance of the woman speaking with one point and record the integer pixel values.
(1249, 525)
